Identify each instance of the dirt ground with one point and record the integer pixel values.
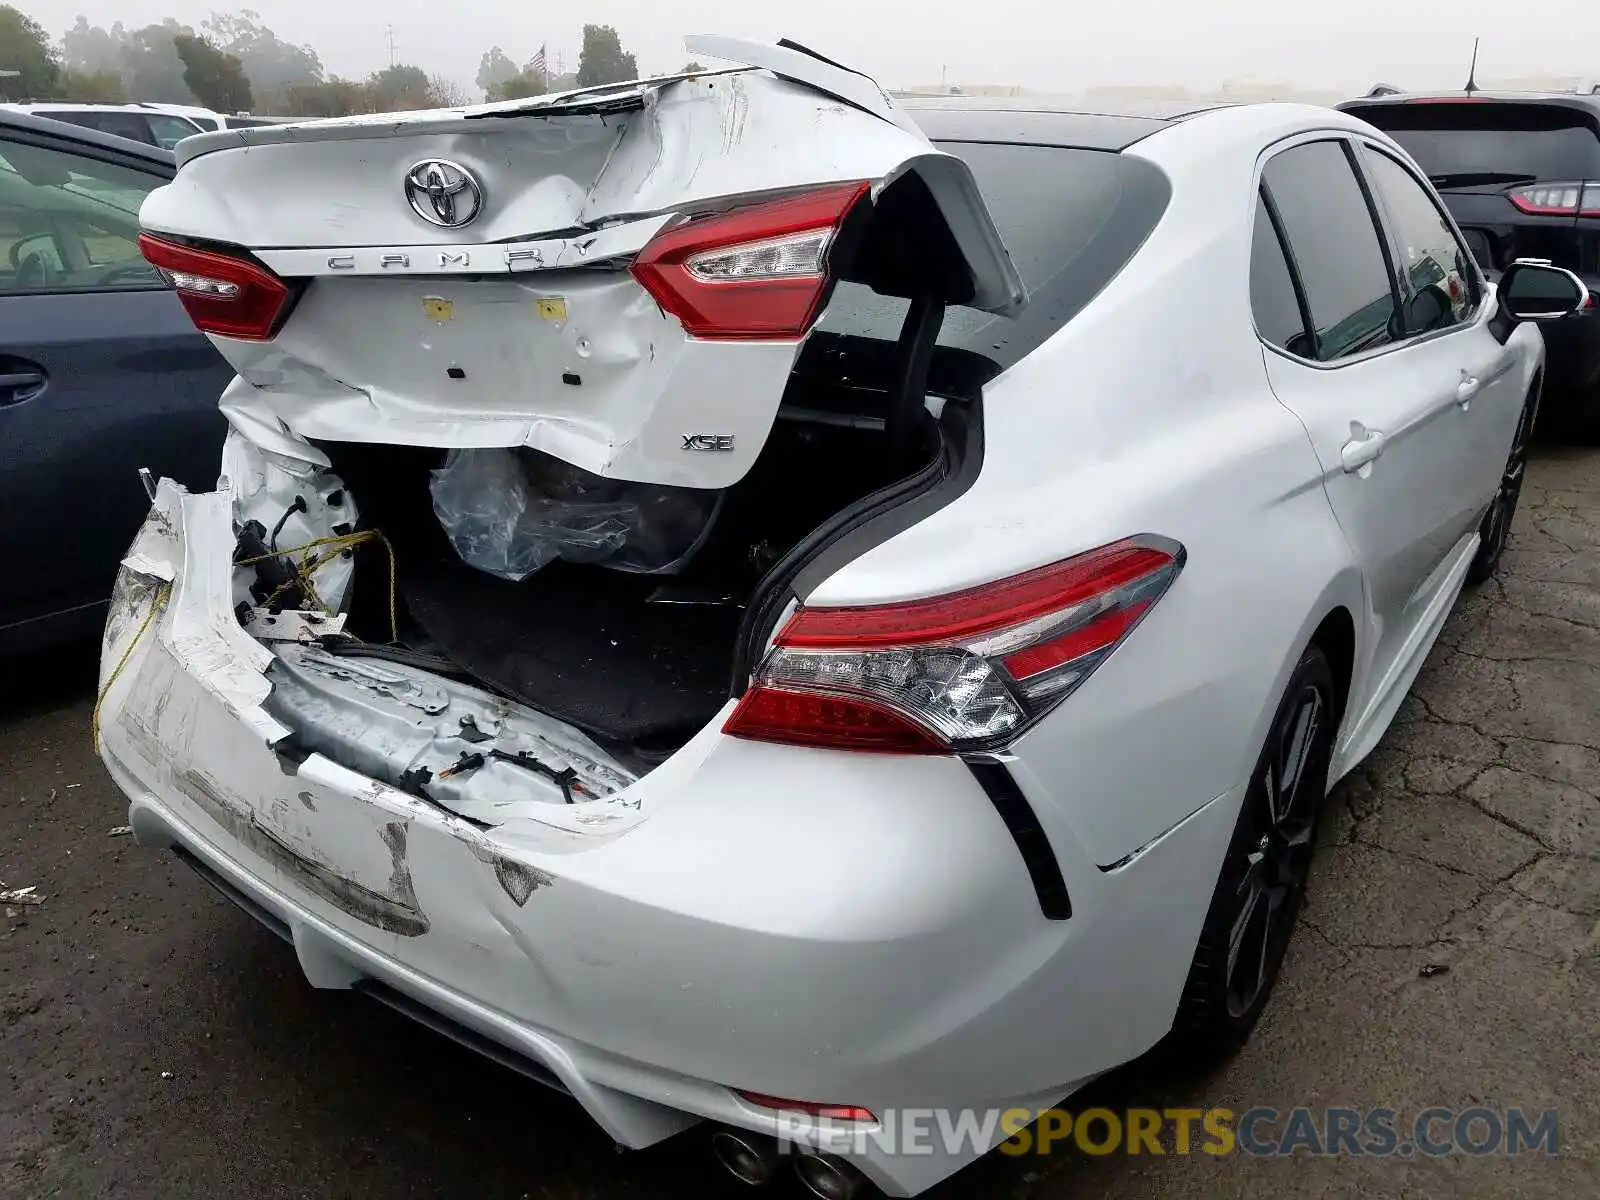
(155, 1043)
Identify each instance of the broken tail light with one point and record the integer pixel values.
(971, 670)
(224, 295)
(756, 272)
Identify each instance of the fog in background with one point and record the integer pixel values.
(1066, 47)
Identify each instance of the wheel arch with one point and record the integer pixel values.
(1336, 637)
(1336, 623)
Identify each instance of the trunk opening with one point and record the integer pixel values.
(640, 663)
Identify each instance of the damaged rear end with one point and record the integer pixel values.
(622, 278)
(533, 445)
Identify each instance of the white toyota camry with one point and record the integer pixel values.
(753, 602)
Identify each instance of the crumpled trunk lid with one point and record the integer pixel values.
(461, 276)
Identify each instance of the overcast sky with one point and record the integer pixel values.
(1049, 45)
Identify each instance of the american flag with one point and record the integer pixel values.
(537, 65)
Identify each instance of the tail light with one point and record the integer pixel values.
(1579, 198)
(966, 671)
(810, 1108)
(231, 297)
(755, 272)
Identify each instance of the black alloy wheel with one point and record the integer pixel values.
(1263, 880)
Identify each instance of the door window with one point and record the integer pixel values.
(170, 130)
(70, 223)
(1342, 264)
(1436, 278)
(122, 124)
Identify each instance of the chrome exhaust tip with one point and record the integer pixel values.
(749, 1157)
(829, 1178)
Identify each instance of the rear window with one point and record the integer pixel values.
(1070, 218)
(1540, 141)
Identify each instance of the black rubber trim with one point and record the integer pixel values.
(403, 1004)
(228, 892)
(852, 532)
(1032, 842)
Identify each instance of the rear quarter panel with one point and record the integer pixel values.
(1150, 413)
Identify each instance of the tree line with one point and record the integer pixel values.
(235, 63)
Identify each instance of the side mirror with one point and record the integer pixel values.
(1533, 290)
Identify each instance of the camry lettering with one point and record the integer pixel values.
(448, 258)
(342, 262)
(394, 260)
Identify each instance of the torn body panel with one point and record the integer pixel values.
(476, 755)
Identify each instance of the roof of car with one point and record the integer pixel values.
(1045, 120)
(1389, 100)
(14, 118)
(43, 106)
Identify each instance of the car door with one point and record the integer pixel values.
(101, 372)
(1447, 313)
(1383, 420)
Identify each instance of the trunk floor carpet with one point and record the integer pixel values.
(584, 645)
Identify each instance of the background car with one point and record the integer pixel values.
(1520, 172)
(101, 373)
(163, 125)
(210, 120)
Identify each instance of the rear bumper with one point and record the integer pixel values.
(841, 928)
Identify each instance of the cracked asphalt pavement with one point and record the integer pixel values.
(156, 1043)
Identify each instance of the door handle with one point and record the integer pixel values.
(1358, 454)
(16, 387)
(1467, 389)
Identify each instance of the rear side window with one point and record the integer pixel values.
(1335, 246)
(1457, 144)
(1071, 220)
(1436, 277)
(1272, 294)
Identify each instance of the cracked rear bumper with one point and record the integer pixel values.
(842, 928)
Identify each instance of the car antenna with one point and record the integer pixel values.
(1472, 71)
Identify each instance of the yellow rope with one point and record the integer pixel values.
(332, 548)
(156, 603)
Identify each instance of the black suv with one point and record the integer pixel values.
(1520, 172)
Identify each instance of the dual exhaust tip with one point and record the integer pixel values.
(756, 1159)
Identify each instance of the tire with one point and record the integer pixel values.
(1496, 527)
(1263, 879)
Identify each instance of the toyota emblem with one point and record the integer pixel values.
(443, 192)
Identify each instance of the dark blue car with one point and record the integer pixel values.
(101, 373)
